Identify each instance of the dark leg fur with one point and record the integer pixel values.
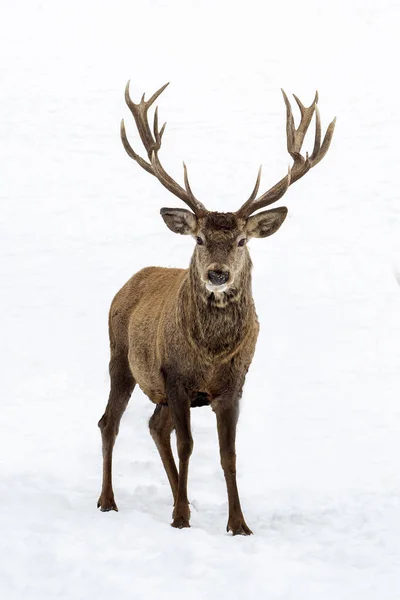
(122, 385)
(179, 405)
(161, 426)
(227, 413)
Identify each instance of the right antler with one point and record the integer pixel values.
(152, 145)
(301, 164)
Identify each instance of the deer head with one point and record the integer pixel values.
(221, 238)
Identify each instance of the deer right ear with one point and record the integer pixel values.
(179, 220)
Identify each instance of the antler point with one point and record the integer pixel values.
(127, 94)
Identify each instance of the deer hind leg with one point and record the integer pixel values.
(122, 385)
(179, 405)
(161, 426)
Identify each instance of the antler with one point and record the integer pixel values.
(301, 164)
(152, 143)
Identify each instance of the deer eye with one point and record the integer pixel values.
(199, 241)
(242, 242)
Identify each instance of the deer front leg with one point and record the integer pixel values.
(179, 405)
(227, 412)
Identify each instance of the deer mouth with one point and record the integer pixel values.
(219, 289)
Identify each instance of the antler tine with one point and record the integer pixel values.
(253, 194)
(186, 195)
(325, 144)
(152, 143)
(275, 193)
(158, 134)
(186, 179)
(301, 164)
(257, 185)
(155, 95)
(155, 124)
(317, 141)
(130, 151)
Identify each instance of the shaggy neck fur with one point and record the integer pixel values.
(217, 323)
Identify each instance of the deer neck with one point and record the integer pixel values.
(217, 323)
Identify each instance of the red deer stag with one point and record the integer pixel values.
(187, 336)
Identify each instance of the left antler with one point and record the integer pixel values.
(301, 164)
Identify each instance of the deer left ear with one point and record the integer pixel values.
(266, 223)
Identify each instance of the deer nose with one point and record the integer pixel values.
(218, 277)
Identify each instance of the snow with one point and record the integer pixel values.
(319, 433)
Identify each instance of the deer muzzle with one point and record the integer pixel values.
(218, 277)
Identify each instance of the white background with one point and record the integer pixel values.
(319, 435)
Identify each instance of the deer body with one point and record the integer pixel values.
(187, 336)
(169, 323)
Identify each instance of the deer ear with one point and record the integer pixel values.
(266, 223)
(179, 220)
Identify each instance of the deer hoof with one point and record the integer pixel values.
(106, 504)
(180, 523)
(239, 528)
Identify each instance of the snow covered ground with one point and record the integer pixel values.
(319, 435)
